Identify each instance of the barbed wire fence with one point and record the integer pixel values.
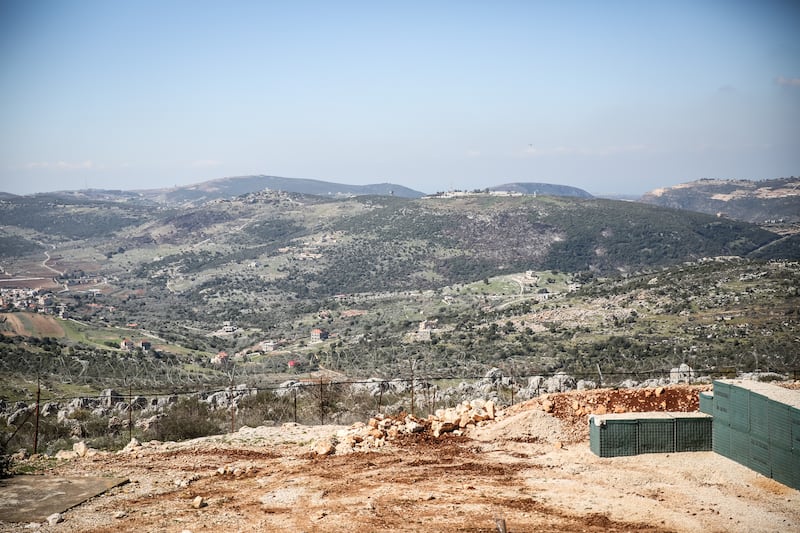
(115, 417)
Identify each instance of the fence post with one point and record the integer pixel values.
(321, 404)
(36, 428)
(233, 410)
(294, 398)
(380, 397)
(130, 413)
(412, 388)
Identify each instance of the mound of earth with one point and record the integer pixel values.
(530, 469)
(572, 409)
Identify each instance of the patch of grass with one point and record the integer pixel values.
(38, 465)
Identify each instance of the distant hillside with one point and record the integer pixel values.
(547, 189)
(750, 201)
(370, 242)
(277, 264)
(237, 186)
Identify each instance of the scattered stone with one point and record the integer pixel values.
(185, 482)
(547, 406)
(133, 445)
(414, 427)
(120, 514)
(80, 448)
(54, 519)
(66, 454)
(199, 502)
(324, 447)
(490, 409)
(380, 429)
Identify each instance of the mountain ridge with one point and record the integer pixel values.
(548, 189)
(234, 186)
(759, 202)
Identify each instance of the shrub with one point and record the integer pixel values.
(265, 407)
(5, 458)
(188, 419)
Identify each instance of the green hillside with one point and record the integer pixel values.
(498, 274)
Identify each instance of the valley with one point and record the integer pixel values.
(528, 284)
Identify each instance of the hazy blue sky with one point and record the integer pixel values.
(609, 96)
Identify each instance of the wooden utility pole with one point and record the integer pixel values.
(36, 429)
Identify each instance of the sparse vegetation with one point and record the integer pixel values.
(187, 419)
(530, 285)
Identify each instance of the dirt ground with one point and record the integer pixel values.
(529, 467)
(28, 324)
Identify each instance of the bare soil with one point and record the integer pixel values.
(32, 324)
(529, 468)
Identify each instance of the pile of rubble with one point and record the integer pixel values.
(574, 407)
(380, 429)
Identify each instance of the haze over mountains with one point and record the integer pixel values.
(775, 200)
(231, 187)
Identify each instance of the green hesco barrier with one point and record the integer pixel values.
(759, 416)
(760, 456)
(794, 420)
(656, 433)
(613, 437)
(769, 441)
(637, 433)
(693, 432)
(722, 402)
(721, 438)
(740, 409)
(780, 425)
(707, 403)
(740, 447)
(786, 467)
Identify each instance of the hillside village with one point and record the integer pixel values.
(31, 300)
